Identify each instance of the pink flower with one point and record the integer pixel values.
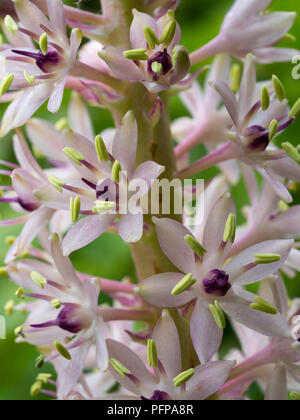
(46, 71)
(156, 59)
(213, 280)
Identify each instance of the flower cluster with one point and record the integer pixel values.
(198, 270)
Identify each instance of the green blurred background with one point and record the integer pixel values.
(109, 256)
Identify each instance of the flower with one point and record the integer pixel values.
(155, 60)
(166, 381)
(102, 185)
(249, 28)
(253, 128)
(214, 283)
(44, 72)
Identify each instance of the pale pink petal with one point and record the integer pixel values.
(140, 21)
(148, 172)
(125, 143)
(79, 118)
(57, 17)
(157, 290)
(209, 378)
(171, 236)
(277, 385)
(275, 55)
(31, 16)
(168, 350)
(240, 277)
(101, 349)
(242, 10)
(229, 100)
(23, 184)
(206, 335)
(85, 231)
(131, 227)
(122, 68)
(247, 89)
(56, 96)
(25, 157)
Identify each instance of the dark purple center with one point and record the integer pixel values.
(260, 138)
(157, 396)
(163, 58)
(68, 319)
(46, 62)
(217, 283)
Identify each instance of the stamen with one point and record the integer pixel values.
(3, 272)
(119, 368)
(265, 98)
(295, 396)
(10, 240)
(152, 353)
(273, 129)
(44, 43)
(157, 67)
(38, 279)
(29, 79)
(56, 183)
(291, 151)
(6, 83)
(20, 293)
(116, 171)
(61, 124)
(39, 361)
(295, 111)
(266, 258)
(183, 377)
(75, 205)
(278, 88)
(101, 149)
(36, 389)
(44, 377)
(9, 307)
(151, 37)
(183, 285)
(62, 350)
(168, 33)
(103, 206)
(10, 24)
(218, 314)
(195, 245)
(230, 229)
(235, 77)
(137, 54)
(263, 306)
(56, 303)
(74, 155)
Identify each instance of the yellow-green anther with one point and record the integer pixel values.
(38, 279)
(6, 83)
(235, 77)
(278, 88)
(195, 245)
(157, 67)
(3, 272)
(288, 38)
(168, 33)
(263, 306)
(9, 307)
(183, 377)
(152, 353)
(119, 368)
(39, 361)
(218, 315)
(230, 229)
(10, 24)
(295, 111)
(73, 155)
(138, 54)
(183, 285)
(44, 43)
(75, 205)
(295, 396)
(20, 293)
(103, 206)
(265, 98)
(44, 377)
(62, 350)
(30, 79)
(101, 149)
(10, 240)
(18, 331)
(151, 37)
(1, 193)
(56, 303)
(116, 171)
(291, 151)
(283, 206)
(1, 40)
(36, 388)
(56, 182)
(61, 124)
(273, 128)
(266, 258)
